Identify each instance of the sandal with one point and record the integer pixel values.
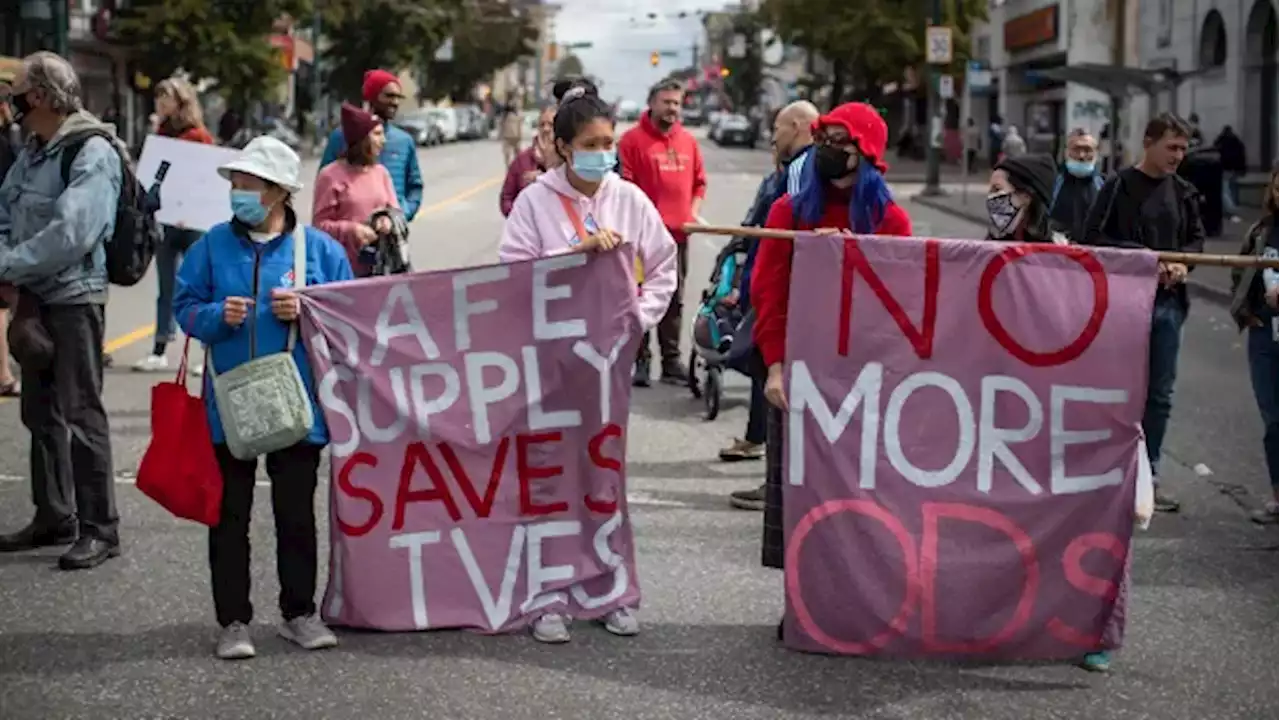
(11, 389)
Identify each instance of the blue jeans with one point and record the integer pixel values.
(1230, 193)
(1264, 371)
(1167, 317)
(168, 256)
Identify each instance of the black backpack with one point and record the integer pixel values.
(133, 243)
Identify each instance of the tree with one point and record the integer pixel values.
(487, 35)
(386, 34)
(746, 73)
(226, 42)
(569, 67)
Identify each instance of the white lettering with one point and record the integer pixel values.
(544, 294)
(496, 610)
(365, 397)
(1059, 438)
(604, 367)
(993, 442)
(482, 397)
(423, 409)
(539, 576)
(323, 315)
(539, 419)
(892, 430)
(804, 395)
(418, 587)
(600, 543)
(385, 332)
(337, 405)
(464, 309)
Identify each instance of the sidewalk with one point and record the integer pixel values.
(1213, 283)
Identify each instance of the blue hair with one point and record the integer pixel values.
(867, 206)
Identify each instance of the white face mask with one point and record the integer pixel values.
(1003, 213)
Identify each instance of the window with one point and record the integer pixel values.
(1213, 41)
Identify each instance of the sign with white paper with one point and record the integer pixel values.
(192, 194)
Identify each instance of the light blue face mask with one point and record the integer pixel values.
(247, 206)
(591, 165)
(1080, 168)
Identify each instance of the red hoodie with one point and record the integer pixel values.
(667, 167)
(771, 276)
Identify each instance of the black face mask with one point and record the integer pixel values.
(832, 163)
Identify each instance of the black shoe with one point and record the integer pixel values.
(88, 552)
(752, 499)
(37, 536)
(675, 373)
(1166, 504)
(641, 377)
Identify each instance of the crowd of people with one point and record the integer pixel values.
(578, 187)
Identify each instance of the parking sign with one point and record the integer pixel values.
(938, 45)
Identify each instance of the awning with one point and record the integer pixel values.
(1117, 81)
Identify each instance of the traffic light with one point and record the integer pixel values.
(553, 50)
(724, 72)
(653, 59)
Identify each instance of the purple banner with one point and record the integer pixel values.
(963, 444)
(478, 421)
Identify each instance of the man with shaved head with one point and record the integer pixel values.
(792, 144)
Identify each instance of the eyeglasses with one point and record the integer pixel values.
(842, 143)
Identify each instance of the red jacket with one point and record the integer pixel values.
(196, 134)
(518, 178)
(771, 276)
(667, 167)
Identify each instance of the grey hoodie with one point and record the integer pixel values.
(52, 234)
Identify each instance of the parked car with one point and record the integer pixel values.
(693, 115)
(447, 121)
(628, 111)
(471, 122)
(419, 125)
(736, 130)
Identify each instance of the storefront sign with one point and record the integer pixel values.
(1034, 28)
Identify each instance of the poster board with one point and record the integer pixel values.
(192, 195)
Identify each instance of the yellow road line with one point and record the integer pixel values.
(146, 331)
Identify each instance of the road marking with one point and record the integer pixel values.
(146, 331)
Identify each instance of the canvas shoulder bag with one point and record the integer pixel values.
(263, 404)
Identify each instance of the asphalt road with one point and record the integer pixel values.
(133, 639)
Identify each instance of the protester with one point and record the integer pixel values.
(1013, 144)
(843, 189)
(664, 160)
(51, 247)
(511, 130)
(584, 135)
(1253, 306)
(792, 147)
(1076, 185)
(382, 95)
(235, 295)
(995, 140)
(531, 162)
(1234, 166)
(178, 115)
(1150, 206)
(9, 147)
(1018, 200)
(352, 190)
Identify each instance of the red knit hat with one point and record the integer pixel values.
(864, 125)
(357, 124)
(374, 82)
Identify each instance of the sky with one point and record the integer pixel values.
(621, 48)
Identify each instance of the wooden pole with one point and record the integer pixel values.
(1172, 257)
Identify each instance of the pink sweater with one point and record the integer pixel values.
(346, 195)
(538, 227)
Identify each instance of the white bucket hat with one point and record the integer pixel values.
(267, 158)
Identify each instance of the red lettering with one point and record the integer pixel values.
(482, 507)
(933, 514)
(1072, 350)
(416, 454)
(604, 462)
(1105, 588)
(346, 487)
(795, 546)
(855, 261)
(526, 473)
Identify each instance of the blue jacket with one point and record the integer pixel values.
(399, 157)
(227, 263)
(774, 185)
(51, 234)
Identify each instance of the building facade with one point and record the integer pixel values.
(1230, 47)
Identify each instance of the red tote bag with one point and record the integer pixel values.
(179, 470)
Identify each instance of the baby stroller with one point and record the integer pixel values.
(721, 329)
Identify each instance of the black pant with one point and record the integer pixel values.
(757, 413)
(670, 324)
(293, 487)
(71, 476)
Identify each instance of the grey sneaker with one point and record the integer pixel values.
(234, 643)
(753, 499)
(622, 622)
(308, 633)
(551, 628)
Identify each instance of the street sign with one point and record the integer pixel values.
(738, 48)
(938, 45)
(946, 87)
(979, 78)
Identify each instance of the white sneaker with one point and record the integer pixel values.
(234, 643)
(308, 632)
(195, 369)
(551, 628)
(622, 622)
(152, 363)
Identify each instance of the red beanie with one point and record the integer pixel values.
(864, 124)
(374, 82)
(357, 124)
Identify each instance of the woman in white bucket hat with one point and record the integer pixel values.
(235, 295)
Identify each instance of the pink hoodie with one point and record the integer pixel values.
(538, 226)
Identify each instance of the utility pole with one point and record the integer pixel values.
(317, 84)
(1118, 59)
(934, 61)
(60, 22)
(695, 55)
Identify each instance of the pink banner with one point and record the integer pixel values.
(963, 444)
(478, 421)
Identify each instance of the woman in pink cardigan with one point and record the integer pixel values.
(352, 190)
